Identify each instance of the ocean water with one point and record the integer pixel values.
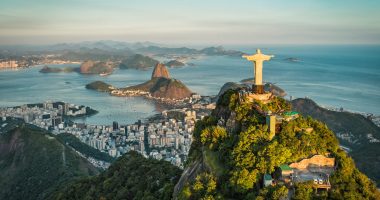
(333, 76)
(31, 86)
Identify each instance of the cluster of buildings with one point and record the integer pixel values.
(372, 139)
(8, 64)
(171, 140)
(375, 119)
(48, 115)
(316, 169)
(347, 136)
(168, 138)
(195, 101)
(31, 60)
(129, 93)
(352, 139)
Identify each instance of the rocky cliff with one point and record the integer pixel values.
(160, 70)
(160, 85)
(237, 151)
(164, 88)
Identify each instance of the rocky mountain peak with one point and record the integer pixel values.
(160, 70)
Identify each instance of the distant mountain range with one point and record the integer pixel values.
(109, 50)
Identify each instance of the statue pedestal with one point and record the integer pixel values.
(263, 98)
(258, 89)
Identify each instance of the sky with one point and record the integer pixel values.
(191, 21)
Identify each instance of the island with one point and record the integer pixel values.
(292, 59)
(96, 67)
(175, 63)
(100, 86)
(87, 67)
(138, 61)
(47, 69)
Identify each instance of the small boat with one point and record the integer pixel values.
(104, 74)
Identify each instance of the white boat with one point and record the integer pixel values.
(104, 74)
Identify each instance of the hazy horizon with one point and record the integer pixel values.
(190, 22)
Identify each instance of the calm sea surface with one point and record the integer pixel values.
(334, 76)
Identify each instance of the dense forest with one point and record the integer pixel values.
(365, 153)
(138, 61)
(130, 177)
(238, 154)
(33, 163)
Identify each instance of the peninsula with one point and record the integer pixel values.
(160, 87)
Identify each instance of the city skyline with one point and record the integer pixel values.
(190, 22)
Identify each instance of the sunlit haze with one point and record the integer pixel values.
(191, 22)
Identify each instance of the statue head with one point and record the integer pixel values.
(258, 51)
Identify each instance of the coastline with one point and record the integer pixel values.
(374, 118)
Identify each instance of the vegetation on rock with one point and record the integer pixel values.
(91, 67)
(138, 61)
(130, 177)
(365, 153)
(163, 88)
(242, 147)
(47, 69)
(34, 163)
(175, 63)
(99, 86)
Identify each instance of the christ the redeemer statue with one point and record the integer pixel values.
(258, 60)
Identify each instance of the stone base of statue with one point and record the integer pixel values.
(263, 98)
(258, 89)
